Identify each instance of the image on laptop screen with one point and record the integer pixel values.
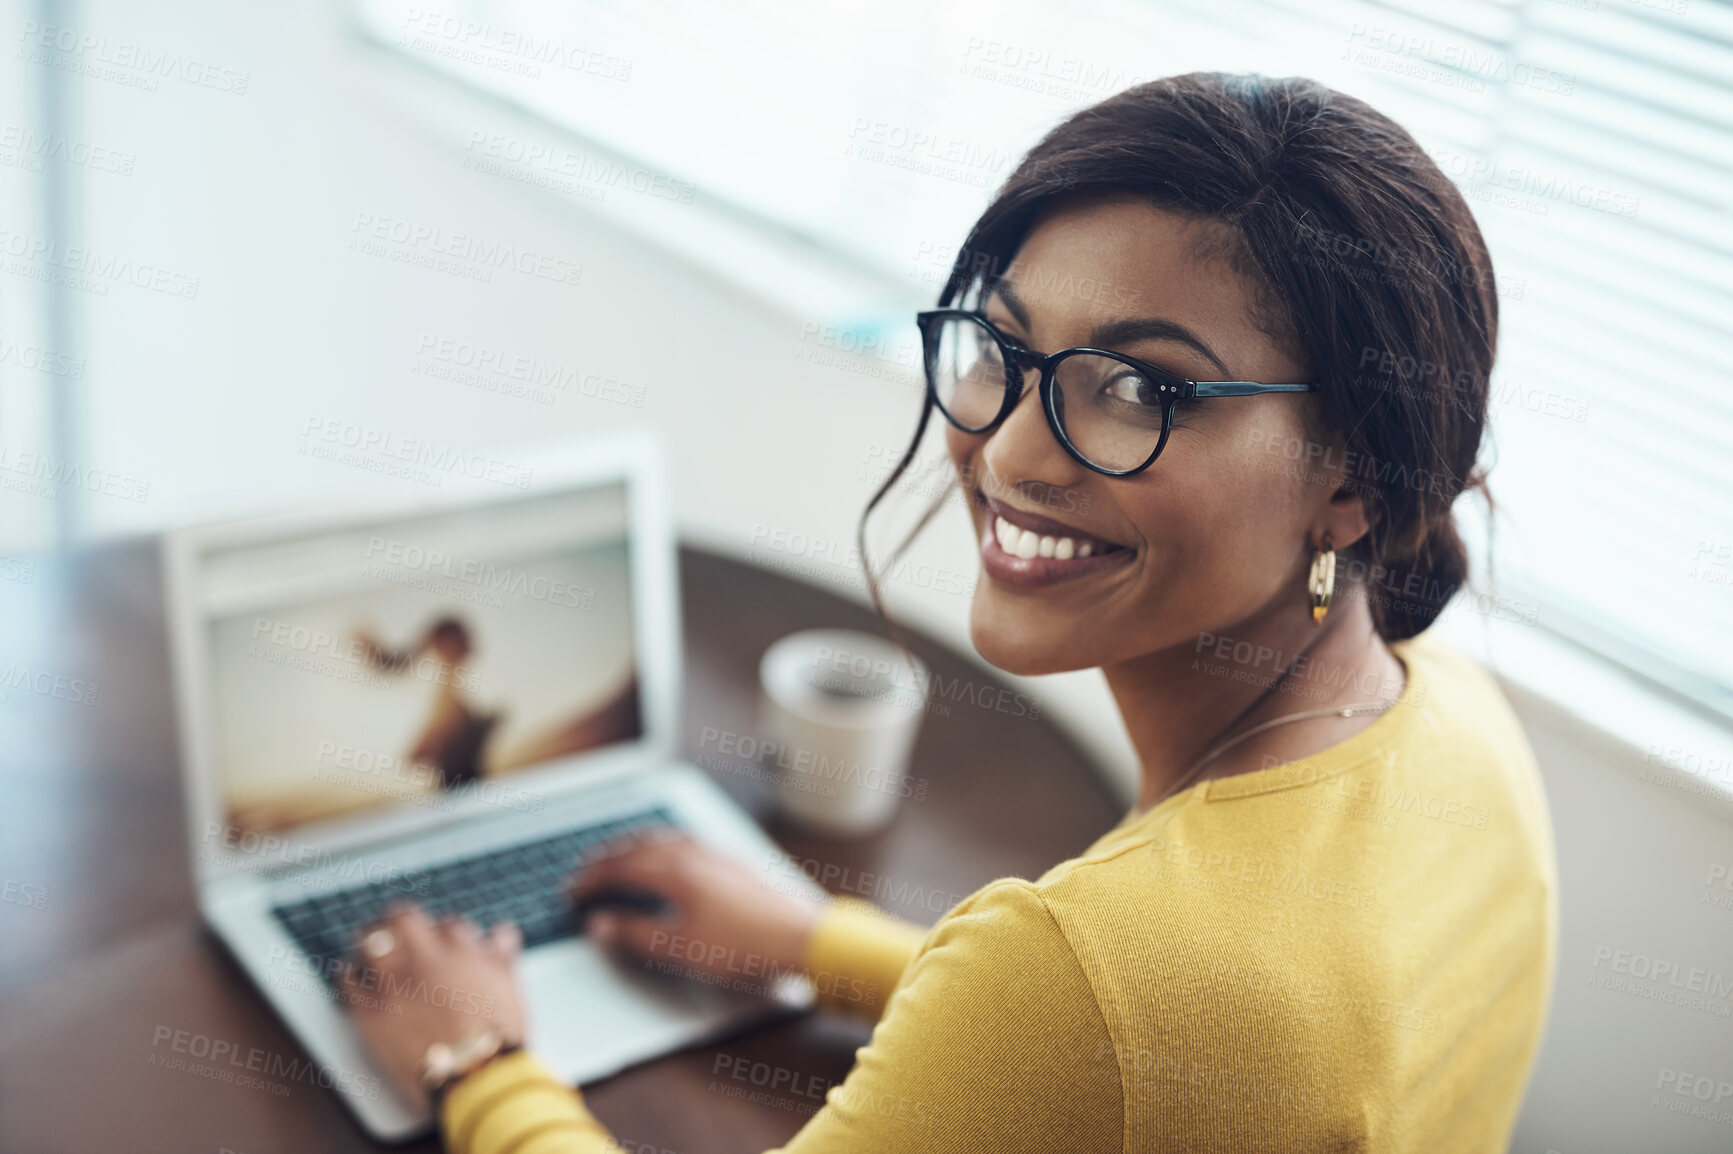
(418, 660)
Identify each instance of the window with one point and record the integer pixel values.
(1594, 139)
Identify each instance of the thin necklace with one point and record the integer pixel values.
(1334, 711)
(1343, 711)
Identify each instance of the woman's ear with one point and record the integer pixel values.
(1344, 518)
(1343, 515)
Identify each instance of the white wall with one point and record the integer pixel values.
(1645, 862)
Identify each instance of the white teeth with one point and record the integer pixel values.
(1026, 544)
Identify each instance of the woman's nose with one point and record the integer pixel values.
(1025, 447)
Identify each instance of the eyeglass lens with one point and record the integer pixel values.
(1109, 411)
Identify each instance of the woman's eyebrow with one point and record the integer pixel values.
(1152, 329)
(1121, 331)
(1008, 296)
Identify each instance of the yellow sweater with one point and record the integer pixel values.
(1349, 952)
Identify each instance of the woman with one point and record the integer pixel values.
(1330, 920)
(455, 734)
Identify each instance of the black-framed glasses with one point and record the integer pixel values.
(1111, 412)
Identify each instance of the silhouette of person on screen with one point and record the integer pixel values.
(455, 734)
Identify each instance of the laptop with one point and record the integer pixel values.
(453, 699)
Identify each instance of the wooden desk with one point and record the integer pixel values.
(91, 814)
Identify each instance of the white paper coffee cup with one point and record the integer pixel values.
(838, 713)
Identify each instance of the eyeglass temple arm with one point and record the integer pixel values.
(1244, 388)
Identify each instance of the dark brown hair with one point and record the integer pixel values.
(1366, 262)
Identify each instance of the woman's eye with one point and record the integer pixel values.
(1133, 389)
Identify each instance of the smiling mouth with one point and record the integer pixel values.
(1028, 536)
(1028, 544)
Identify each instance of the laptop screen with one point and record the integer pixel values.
(418, 661)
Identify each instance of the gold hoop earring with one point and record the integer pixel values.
(1321, 583)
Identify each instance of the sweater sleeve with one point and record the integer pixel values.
(857, 954)
(992, 1042)
(516, 1104)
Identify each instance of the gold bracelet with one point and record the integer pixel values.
(445, 1064)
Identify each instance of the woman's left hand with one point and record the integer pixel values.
(416, 981)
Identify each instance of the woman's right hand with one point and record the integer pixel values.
(725, 918)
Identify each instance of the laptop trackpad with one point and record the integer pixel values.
(591, 1015)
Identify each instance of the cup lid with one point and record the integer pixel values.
(842, 677)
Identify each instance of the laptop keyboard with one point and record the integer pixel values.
(523, 883)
